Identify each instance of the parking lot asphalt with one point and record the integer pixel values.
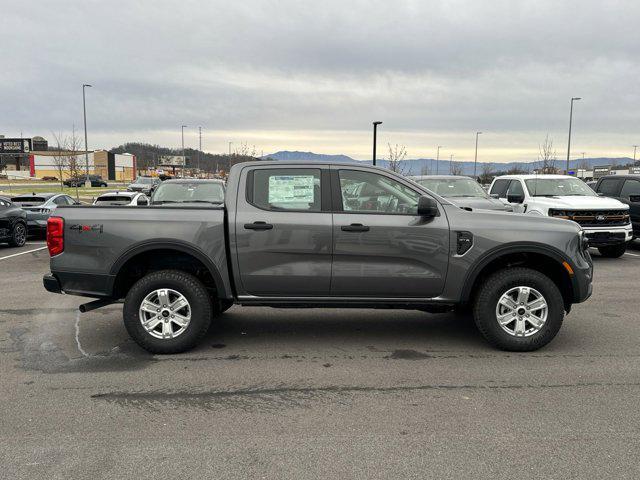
(276, 393)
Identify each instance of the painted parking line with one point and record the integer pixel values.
(22, 253)
(632, 254)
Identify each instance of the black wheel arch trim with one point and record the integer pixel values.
(519, 247)
(170, 244)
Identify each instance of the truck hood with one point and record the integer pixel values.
(478, 203)
(580, 202)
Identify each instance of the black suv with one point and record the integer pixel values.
(625, 188)
(96, 181)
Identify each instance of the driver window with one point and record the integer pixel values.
(367, 192)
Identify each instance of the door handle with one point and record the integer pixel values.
(354, 227)
(258, 226)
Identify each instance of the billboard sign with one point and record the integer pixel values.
(601, 171)
(634, 170)
(172, 160)
(15, 145)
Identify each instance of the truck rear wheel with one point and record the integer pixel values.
(167, 311)
(613, 251)
(518, 309)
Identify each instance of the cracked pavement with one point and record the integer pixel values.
(283, 393)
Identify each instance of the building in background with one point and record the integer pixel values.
(110, 166)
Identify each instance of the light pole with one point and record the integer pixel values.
(87, 182)
(184, 158)
(634, 153)
(199, 147)
(570, 122)
(450, 163)
(438, 160)
(230, 143)
(475, 161)
(375, 134)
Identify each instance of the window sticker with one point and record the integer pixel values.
(291, 188)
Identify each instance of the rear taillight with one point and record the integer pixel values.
(55, 235)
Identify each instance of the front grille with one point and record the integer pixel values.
(605, 238)
(593, 218)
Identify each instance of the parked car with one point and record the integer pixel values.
(13, 223)
(463, 191)
(96, 181)
(39, 207)
(625, 189)
(605, 220)
(123, 199)
(145, 185)
(188, 191)
(287, 235)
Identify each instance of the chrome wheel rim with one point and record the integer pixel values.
(165, 313)
(20, 234)
(522, 311)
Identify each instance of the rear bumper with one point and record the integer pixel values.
(51, 283)
(82, 284)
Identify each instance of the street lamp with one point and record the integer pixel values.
(634, 153)
(475, 161)
(450, 164)
(375, 134)
(199, 147)
(569, 141)
(184, 158)
(437, 160)
(230, 143)
(87, 182)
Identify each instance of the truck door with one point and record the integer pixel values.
(381, 247)
(283, 230)
(630, 194)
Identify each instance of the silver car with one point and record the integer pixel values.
(462, 191)
(39, 206)
(123, 199)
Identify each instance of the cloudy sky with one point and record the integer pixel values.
(302, 75)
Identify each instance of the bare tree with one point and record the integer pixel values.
(59, 158)
(487, 173)
(72, 161)
(456, 169)
(397, 155)
(547, 155)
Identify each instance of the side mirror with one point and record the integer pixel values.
(427, 207)
(515, 198)
(634, 198)
(77, 203)
(494, 195)
(143, 201)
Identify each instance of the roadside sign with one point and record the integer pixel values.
(172, 160)
(634, 170)
(601, 171)
(15, 145)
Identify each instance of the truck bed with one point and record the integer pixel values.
(98, 240)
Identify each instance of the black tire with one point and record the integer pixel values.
(613, 251)
(18, 235)
(187, 285)
(489, 294)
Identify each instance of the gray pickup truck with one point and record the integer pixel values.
(316, 235)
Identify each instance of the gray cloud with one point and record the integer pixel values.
(440, 68)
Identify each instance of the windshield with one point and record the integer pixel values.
(555, 187)
(189, 192)
(454, 187)
(114, 200)
(28, 200)
(144, 180)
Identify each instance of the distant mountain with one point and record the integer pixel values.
(307, 157)
(422, 166)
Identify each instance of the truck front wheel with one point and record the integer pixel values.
(168, 311)
(613, 251)
(518, 309)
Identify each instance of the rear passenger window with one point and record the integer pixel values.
(631, 187)
(286, 189)
(499, 188)
(608, 187)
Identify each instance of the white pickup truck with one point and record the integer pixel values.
(605, 220)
